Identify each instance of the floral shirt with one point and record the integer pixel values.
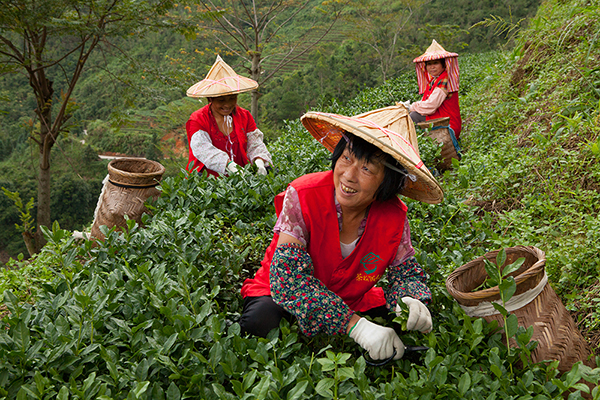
(317, 308)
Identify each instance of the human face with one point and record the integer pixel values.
(356, 181)
(223, 105)
(434, 67)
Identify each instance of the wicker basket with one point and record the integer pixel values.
(535, 304)
(442, 135)
(130, 182)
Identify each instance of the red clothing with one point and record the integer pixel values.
(450, 107)
(235, 143)
(352, 278)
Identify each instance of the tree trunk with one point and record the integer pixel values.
(45, 143)
(43, 200)
(255, 71)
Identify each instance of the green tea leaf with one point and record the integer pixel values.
(297, 391)
(507, 287)
(464, 383)
(492, 271)
(324, 387)
(173, 392)
(510, 268)
(501, 258)
(500, 308)
(63, 393)
(140, 389)
(512, 324)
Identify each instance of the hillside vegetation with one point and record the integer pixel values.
(130, 98)
(152, 313)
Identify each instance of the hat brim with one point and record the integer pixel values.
(221, 80)
(223, 87)
(434, 56)
(434, 52)
(328, 128)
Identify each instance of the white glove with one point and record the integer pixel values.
(378, 340)
(232, 167)
(419, 317)
(406, 104)
(261, 166)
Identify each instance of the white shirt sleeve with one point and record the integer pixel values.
(429, 106)
(203, 149)
(256, 147)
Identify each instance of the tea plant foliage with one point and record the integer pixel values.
(152, 312)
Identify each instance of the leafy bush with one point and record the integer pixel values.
(152, 312)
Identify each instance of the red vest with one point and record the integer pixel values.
(448, 108)
(352, 278)
(203, 119)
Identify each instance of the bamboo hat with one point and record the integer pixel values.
(436, 52)
(221, 80)
(328, 129)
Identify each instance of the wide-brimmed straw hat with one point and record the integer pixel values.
(221, 80)
(328, 128)
(436, 52)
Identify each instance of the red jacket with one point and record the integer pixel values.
(449, 107)
(203, 119)
(352, 278)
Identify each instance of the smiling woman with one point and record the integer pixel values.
(338, 233)
(223, 136)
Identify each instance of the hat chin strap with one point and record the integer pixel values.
(228, 123)
(410, 176)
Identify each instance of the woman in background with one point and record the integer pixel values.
(437, 76)
(222, 136)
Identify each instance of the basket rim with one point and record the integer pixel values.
(535, 270)
(160, 169)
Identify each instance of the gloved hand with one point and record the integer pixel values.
(419, 317)
(378, 340)
(406, 104)
(260, 164)
(232, 167)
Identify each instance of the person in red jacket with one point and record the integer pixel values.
(222, 136)
(338, 233)
(438, 79)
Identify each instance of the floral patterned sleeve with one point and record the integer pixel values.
(290, 220)
(293, 286)
(406, 279)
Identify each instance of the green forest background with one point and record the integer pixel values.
(152, 313)
(133, 102)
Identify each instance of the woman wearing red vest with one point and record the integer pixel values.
(223, 136)
(438, 78)
(338, 233)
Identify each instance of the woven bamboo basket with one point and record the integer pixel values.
(442, 135)
(130, 182)
(534, 303)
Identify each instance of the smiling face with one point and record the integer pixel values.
(434, 67)
(223, 105)
(356, 181)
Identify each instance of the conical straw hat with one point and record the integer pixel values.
(436, 52)
(328, 128)
(221, 80)
(395, 118)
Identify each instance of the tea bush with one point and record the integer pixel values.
(152, 313)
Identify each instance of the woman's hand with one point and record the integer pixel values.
(378, 340)
(419, 317)
(260, 164)
(232, 167)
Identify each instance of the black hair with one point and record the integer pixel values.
(393, 181)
